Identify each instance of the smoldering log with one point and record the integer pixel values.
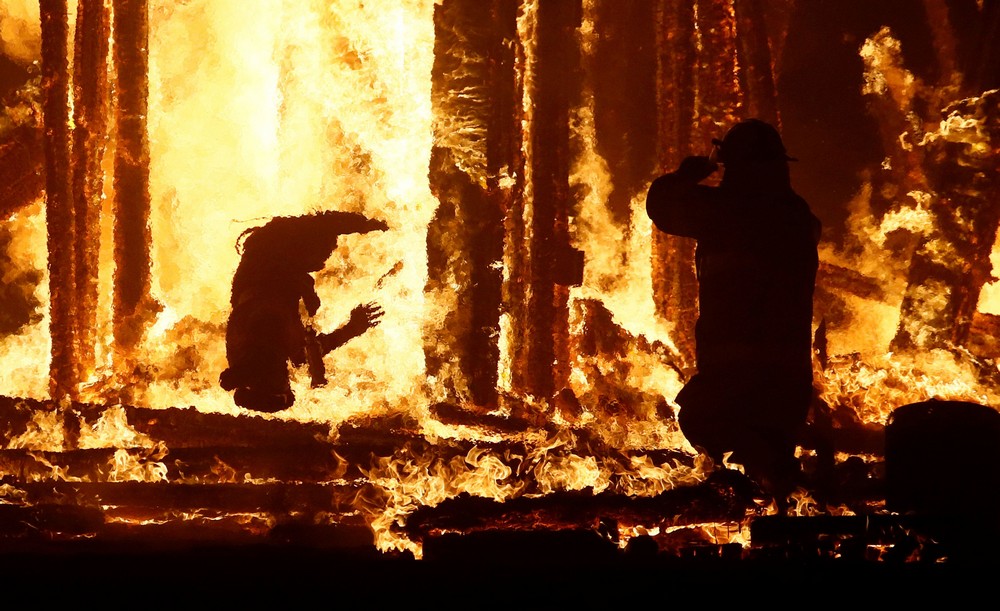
(188, 427)
(131, 168)
(984, 335)
(139, 512)
(832, 277)
(719, 499)
(58, 194)
(56, 518)
(476, 98)
(90, 107)
(207, 465)
(142, 499)
(452, 414)
(834, 284)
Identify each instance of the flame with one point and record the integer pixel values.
(289, 107)
(27, 350)
(286, 108)
(20, 30)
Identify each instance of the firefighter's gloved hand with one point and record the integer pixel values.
(697, 168)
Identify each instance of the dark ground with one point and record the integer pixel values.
(525, 572)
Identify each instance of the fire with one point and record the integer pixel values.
(288, 107)
(282, 109)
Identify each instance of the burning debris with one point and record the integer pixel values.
(518, 368)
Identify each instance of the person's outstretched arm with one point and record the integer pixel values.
(363, 317)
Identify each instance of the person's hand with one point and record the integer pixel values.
(697, 168)
(366, 316)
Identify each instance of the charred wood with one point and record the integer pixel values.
(149, 500)
(90, 108)
(43, 521)
(621, 64)
(131, 170)
(832, 277)
(540, 362)
(947, 273)
(58, 195)
(716, 500)
(475, 95)
(190, 428)
(452, 414)
(756, 68)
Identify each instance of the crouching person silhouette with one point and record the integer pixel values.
(756, 263)
(272, 285)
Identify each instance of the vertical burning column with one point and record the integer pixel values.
(90, 80)
(538, 278)
(475, 172)
(622, 69)
(132, 200)
(58, 194)
(756, 72)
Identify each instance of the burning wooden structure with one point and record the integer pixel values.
(536, 328)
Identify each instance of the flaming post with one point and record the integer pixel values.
(541, 346)
(58, 195)
(756, 73)
(90, 131)
(132, 200)
(475, 86)
(623, 69)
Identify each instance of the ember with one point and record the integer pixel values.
(518, 390)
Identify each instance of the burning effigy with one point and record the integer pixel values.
(523, 331)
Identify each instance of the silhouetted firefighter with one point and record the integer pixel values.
(756, 263)
(265, 330)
